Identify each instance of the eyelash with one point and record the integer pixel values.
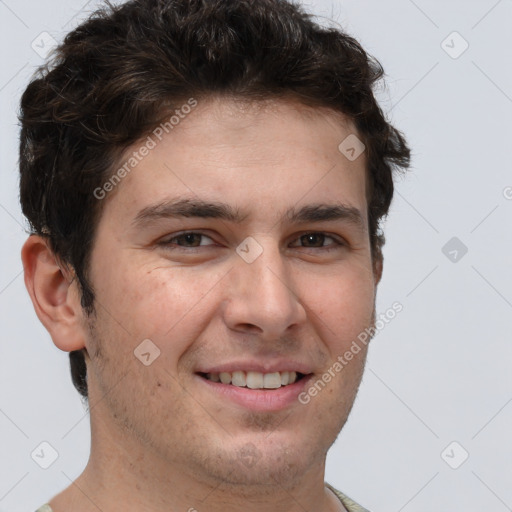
(167, 243)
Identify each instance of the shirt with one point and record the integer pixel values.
(349, 504)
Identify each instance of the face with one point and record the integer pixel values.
(261, 271)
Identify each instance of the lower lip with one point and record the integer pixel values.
(259, 400)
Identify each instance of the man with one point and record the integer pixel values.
(204, 180)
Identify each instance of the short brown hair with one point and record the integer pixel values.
(109, 80)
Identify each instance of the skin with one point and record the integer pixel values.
(161, 439)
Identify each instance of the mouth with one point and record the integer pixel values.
(255, 380)
(256, 391)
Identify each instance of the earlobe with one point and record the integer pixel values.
(54, 294)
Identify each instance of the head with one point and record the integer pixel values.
(239, 103)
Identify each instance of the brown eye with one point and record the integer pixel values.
(187, 240)
(313, 239)
(316, 240)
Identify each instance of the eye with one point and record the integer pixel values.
(194, 239)
(189, 239)
(315, 240)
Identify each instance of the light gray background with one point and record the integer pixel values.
(440, 371)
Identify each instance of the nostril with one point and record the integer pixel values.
(250, 328)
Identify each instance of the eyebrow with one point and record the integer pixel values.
(187, 207)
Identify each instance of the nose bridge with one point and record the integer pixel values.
(268, 274)
(263, 296)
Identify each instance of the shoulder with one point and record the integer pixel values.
(45, 508)
(349, 504)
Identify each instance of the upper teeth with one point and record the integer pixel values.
(254, 380)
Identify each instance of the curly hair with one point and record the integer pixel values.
(118, 74)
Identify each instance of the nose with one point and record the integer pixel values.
(262, 297)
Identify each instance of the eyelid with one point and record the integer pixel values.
(167, 239)
(338, 240)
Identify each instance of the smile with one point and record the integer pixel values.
(256, 391)
(255, 380)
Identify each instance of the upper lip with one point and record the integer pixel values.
(258, 366)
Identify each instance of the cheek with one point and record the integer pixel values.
(160, 303)
(342, 308)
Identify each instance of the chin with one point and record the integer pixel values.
(265, 475)
(261, 462)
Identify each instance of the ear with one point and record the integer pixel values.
(54, 293)
(378, 265)
(377, 269)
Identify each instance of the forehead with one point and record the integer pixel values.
(268, 155)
